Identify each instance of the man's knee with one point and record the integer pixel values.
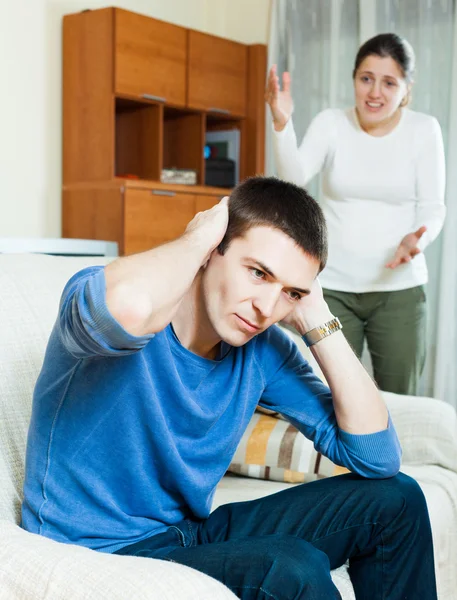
(403, 496)
(411, 492)
(302, 566)
(406, 489)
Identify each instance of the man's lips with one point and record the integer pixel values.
(247, 324)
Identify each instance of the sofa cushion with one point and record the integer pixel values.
(273, 449)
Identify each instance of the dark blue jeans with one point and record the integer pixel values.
(283, 546)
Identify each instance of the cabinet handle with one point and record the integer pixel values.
(223, 111)
(163, 193)
(151, 97)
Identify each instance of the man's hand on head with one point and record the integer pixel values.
(144, 291)
(207, 228)
(309, 312)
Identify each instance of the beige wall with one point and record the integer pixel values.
(30, 97)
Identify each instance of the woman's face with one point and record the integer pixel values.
(380, 87)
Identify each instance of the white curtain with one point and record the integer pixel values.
(445, 372)
(317, 41)
(429, 26)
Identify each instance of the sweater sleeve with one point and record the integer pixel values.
(85, 325)
(430, 208)
(300, 164)
(297, 393)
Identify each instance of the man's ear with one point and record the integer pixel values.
(210, 257)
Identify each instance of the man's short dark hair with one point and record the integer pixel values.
(271, 202)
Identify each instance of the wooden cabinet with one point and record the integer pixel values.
(150, 58)
(136, 215)
(139, 97)
(152, 217)
(217, 74)
(206, 202)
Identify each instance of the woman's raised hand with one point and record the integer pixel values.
(279, 101)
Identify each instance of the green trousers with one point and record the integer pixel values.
(394, 327)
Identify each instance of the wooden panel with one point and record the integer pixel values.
(206, 202)
(217, 73)
(152, 218)
(245, 171)
(139, 133)
(196, 189)
(88, 108)
(222, 124)
(150, 57)
(254, 134)
(93, 214)
(183, 141)
(142, 184)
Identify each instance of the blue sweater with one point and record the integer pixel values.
(132, 434)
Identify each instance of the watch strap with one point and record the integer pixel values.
(322, 331)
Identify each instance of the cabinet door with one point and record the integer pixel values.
(217, 74)
(150, 58)
(153, 217)
(206, 202)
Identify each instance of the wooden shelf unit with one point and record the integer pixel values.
(139, 96)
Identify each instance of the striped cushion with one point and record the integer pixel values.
(272, 448)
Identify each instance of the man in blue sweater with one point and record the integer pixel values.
(153, 370)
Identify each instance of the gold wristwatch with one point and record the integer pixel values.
(322, 331)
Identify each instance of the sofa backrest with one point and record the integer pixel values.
(30, 289)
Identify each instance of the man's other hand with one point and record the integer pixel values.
(312, 310)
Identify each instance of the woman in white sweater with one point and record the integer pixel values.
(383, 180)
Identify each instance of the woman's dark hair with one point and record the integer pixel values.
(271, 202)
(389, 44)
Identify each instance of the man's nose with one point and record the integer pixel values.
(266, 301)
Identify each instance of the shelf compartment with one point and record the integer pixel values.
(228, 144)
(139, 133)
(183, 140)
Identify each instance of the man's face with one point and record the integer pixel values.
(256, 283)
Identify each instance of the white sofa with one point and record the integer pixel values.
(32, 567)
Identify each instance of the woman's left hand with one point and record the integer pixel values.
(407, 249)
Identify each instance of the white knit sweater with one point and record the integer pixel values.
(375, 190)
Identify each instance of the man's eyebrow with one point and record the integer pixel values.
(271, 274)
(262, 266)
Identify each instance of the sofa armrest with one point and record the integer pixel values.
(427, 429)
(32, 566)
